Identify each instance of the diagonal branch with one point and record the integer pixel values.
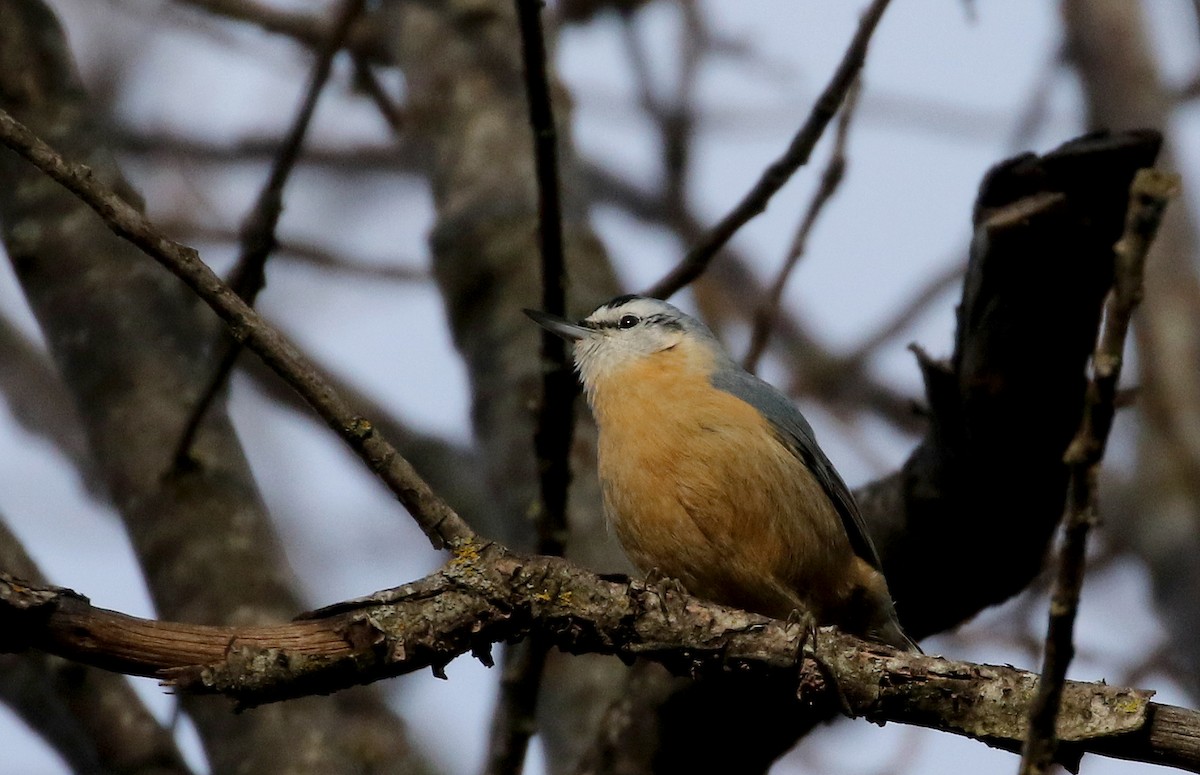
(1148, 198)
(776, 175)
(438, 520)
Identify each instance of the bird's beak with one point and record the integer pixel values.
(572, 332)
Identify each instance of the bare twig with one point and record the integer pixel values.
(776, 175)
(514, 721)
(674, 119)
(163, 146)
(437, 519)
(1149, 195)
(258, 231)
(831, 178)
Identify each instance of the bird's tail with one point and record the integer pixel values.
(870, 613)
(892, 634)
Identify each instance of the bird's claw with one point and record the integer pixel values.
(808, 631)
(664, 585)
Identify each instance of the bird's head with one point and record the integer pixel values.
(626, 331)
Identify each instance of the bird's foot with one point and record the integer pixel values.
(807, 623)
(666, 588)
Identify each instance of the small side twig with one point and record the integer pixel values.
(365, 77)
(831, 179)
(258, 231)
(776, 175)
(514, 721)
(439, 522)
(1149, 195)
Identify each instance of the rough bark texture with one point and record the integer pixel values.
(1108, 46)
(488, 593)
(134, 347)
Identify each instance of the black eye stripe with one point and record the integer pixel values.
(630, 320)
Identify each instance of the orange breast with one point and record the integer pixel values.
(697, 485)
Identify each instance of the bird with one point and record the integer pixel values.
(712, 477)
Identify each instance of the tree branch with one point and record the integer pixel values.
(131, 343)
(487, 594)
(39, 401)
(367, 40)
(1110, 46)
(1006, 406)
(470, 116)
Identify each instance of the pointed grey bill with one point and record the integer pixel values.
(554, 324)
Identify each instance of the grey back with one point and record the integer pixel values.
(795, 432)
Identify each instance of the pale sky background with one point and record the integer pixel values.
(942, 94)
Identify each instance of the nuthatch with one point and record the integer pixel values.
(713, 477)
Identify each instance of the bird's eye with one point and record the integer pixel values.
(628, 321)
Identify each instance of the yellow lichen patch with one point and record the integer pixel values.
(360, 427)
(465, 553)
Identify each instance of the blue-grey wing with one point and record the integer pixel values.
(798, 435)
